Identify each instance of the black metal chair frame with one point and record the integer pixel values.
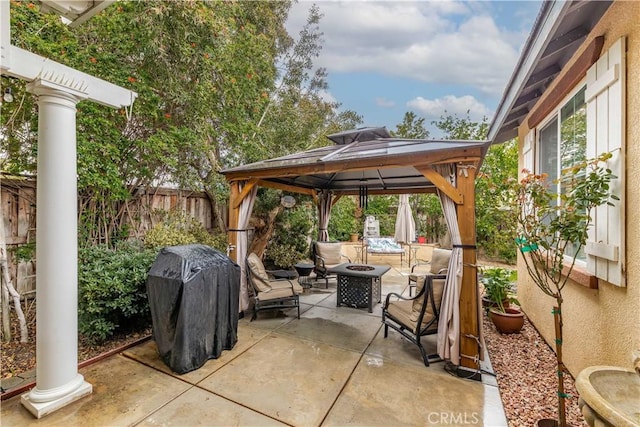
(414, 335)
(271, 304)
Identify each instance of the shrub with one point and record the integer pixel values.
(290, 238)
(111, 289)
(177, 228)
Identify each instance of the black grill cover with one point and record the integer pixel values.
(193, 296)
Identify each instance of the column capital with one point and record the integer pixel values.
(67, 90)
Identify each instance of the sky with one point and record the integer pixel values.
(385, 58)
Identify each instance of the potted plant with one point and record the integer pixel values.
(498, 286)
(548, 225)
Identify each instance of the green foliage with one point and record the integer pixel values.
(343, 220)
(291, 236)
(112, 289)
(498, 285)
(176, 228)
(495, 222)
(429, 217)
(384, 208)
(550, 224)
(411, 127)
(495, 218)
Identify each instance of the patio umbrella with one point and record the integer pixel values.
(405, 225)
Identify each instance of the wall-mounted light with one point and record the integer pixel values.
(8, 95)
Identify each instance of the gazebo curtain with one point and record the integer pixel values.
(449, 324)
(324, 213)
(242, 244)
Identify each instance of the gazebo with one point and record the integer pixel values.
(368, 161)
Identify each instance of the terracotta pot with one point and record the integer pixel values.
(509, 322)
(547, 422)
(353, 237)
(488, 303)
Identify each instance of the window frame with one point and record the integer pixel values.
(556, 114)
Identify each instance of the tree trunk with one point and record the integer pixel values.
(557, 317)
(263, 232)
(9, 291)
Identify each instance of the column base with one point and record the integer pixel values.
(40, 409)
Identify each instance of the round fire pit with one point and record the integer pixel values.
(360, 267)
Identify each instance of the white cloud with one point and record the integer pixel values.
(458, 105)
(385, 103)
(444, 42)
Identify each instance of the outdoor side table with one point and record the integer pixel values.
(304, 270)
(359, 285)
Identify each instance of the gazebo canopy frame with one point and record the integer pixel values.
(382, 166)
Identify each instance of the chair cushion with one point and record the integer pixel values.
(288, 284)
(330, 252)
(276, 293)
(386, 245)
(259, 276)
(401, 311)
(440, 260)
(438, 289)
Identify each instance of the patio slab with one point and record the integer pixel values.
(293, 380)
(199, 407)
(124, 393)
(147, 353)
(385, 393)
(344, 328)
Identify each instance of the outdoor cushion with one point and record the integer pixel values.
(440, 260)
(438, 289)
(276, 293)
(259, 274)
(386, 245)
(286, 284)
(330, 252)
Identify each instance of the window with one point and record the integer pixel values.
(591, 122)
(562, 143)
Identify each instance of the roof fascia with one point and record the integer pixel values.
(541, 35)
(443, 156)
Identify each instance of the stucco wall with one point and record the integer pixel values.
(602, 327)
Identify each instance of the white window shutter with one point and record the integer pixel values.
(528, 150)
(605, 98)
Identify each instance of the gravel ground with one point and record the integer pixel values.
(525, 367)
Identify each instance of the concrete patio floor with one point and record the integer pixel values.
(333, 367)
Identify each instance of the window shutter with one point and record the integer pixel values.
(605, 98)
(528, 150)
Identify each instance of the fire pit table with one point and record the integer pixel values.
(359, 285)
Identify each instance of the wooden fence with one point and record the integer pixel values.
(18, 201)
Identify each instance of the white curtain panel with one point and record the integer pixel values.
(405, 224)
(243, 245)
(449, 324)
(324, 213)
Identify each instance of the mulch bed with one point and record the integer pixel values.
(18, 358)
(525, 367)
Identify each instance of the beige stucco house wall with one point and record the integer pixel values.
(602, 326)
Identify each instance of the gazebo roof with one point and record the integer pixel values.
(383, 166)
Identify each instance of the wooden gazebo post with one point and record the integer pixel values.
(234, 215)
(469, 327)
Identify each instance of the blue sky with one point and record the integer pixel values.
(385, 58)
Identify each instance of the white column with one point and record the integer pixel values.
(58, 382)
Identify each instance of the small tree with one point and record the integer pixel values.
(550, 224)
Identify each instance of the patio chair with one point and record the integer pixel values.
(437, 265)
(327, 255)
(268, 293)
(416, 317)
